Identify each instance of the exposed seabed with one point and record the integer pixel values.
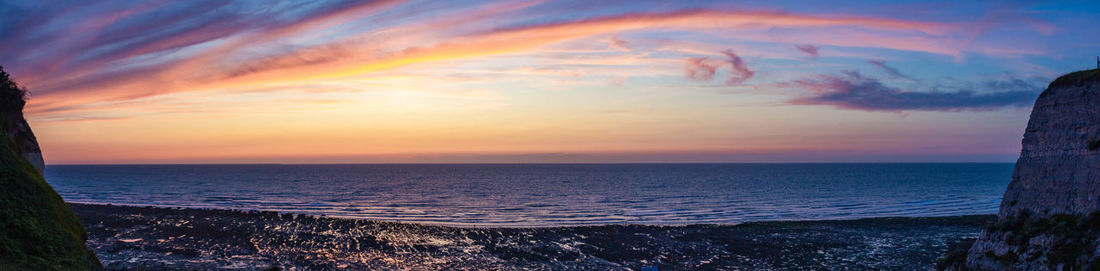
(149, 238)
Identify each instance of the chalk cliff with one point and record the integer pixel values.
(16, 128)
(1049, 216)
(37, 230)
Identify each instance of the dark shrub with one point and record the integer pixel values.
(12, 97)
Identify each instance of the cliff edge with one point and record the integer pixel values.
(37, 230)
(12, 100)
(1050, 214)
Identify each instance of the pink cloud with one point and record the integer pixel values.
(217, 66)
(700, 69)
(704, 69)
(739, 73)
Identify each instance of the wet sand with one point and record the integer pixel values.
(147, 238)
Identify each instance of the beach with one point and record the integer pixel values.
(149, 238)
(549, 135)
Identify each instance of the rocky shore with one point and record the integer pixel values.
(147, 238)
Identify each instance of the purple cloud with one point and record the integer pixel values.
(739, 73)
(853, 91)
(86, 38)
(808, 49)
(700, 69)
(704, 69)
(889, 70)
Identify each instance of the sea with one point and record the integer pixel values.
(550, 195)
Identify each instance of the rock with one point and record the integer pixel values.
(15, 126)
(26, 144)
(1059, 167)
(37, 230)
(1049, 217)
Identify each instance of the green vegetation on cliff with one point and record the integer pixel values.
(1063, 241)
(12, 97)
(1076, 78)
(37, 230)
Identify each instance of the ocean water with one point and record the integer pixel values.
(552, 194)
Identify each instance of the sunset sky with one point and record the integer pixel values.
(538, 81)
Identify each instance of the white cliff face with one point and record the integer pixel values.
(20, 131)
(1059, 167)
(36, 160)
(1048, 215)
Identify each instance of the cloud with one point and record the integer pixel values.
(522, 38)
(700, 69)
(126, 52)
(620, 44)
(889, 70)
(149, 50)
(739, 73)
(704, 69)
(808, 49)
(851, 90)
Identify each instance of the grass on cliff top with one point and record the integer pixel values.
(1076, 78)
(37, 230)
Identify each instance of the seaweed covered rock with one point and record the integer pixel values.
(37, 230)
(1049, 216)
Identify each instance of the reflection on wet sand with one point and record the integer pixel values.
(164, 238)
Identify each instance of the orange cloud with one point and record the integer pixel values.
(515, 40)
(356, 56)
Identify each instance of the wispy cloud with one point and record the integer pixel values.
(158, 50)
(889, 70)
(700, 69)
(739, 73)
(254, 78)
(704, 69)
(810, 50)
(96, 54)
(617, 43)
(851, 90)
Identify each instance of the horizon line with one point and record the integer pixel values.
(524, 163)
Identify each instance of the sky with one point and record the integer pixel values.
(538, 81)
